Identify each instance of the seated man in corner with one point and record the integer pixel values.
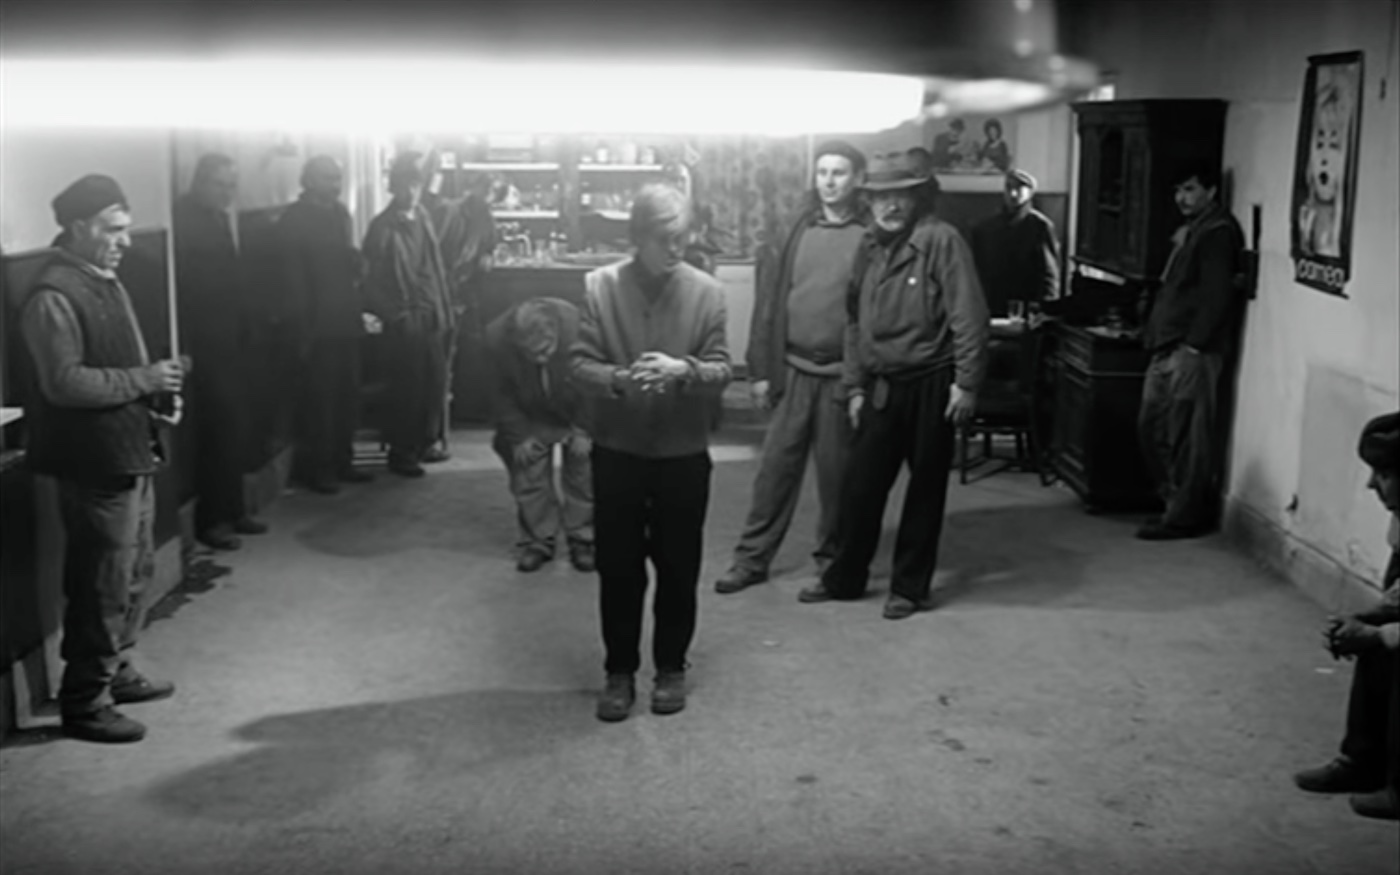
(537, 407)
(1369, 765)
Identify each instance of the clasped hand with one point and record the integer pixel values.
(656, 371)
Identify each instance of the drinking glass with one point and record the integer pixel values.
(1016, 309)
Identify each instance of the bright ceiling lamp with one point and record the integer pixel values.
(377, 95)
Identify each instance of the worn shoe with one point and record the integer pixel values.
(1380, 805)
(250, 526)
(668, 696)
(1342, 775)
(583, 558)
(354, 475)
(104, 726)
(737, 580)
(897, 607)
(531, 560)
(435, 455)
(406, 468)
(219, 538)
(141, 689)
(617, 698)
(814, 594)
(1166, 532)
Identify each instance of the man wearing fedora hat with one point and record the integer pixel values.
(94, 426)
(916, 353)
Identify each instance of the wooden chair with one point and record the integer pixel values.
(1007, 406)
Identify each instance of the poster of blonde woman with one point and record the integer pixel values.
(1325, 167)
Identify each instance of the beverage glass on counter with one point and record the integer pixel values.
(1016, 309)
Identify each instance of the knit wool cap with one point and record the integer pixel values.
(1379, 446)
(86, 198)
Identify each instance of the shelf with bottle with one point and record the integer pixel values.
(514, 166)
(621, 168)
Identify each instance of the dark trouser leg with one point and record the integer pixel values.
(345, 415)
(680, 495)
(877, 452)
(577, 481)
(831, 451)
(779, 481)
(929, 451)
(1373, 684)
(415, 386)
(620, 531)
(1192, 430)
(108, 565)
(1153, 423)
(219, 419)
(322, 399)
(536, 504)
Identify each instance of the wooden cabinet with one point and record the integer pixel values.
(1129, 152)
(1094, 444)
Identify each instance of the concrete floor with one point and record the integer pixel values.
(373, 688)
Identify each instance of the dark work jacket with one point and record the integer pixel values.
(90, 444)
(320, 271)
(1017, 258)
(1199, 300)
(211, 284)
(404, 281)
(523, 409)
(916, 305)
(768, 327)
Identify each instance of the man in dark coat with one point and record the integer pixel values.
(1191, 332)
(1017, 256)
(215, 328)
(320, 276)
(406, 288)
(94, 426)
(537, 408)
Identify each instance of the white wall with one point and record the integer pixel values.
(36, 165)
(1315, 367)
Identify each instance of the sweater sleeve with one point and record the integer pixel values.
(1215, 289)
(956, 275)
(593, 372)
(761, 324)
(55, 340)
(709, 363)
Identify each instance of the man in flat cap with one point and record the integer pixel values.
(1368, 766)
(1018, 258)
(916, 355)
(407, 289)
(94, 426)
(320, 271)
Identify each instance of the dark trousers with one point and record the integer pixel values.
(909, 426)
(332, 405)
(108, 564)
(220, 412)
(810, 420)
(1178, 432)
(648, 509)
(539, 510)
(414, 353)
(1372, 738)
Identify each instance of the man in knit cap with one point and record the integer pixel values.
(1369, 764)
(94, 426)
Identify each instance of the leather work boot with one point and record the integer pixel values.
(615, 702)
(738, 579)
(583, 558)
(104, 726)
(141, 689)
(814, 594)
(531, 560)
(1342, 775)
(1380, 805)
(219, 538)
(249, 526)
(668, 697)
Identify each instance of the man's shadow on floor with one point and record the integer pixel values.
(306, 760)
(1056, 556)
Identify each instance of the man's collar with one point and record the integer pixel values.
(87, 266)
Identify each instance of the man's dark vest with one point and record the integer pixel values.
(89, 444)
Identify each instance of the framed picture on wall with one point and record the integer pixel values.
(1325, 170)
(972, 153)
